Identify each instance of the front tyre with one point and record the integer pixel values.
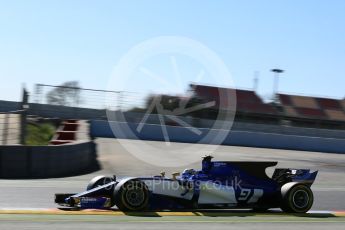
(99, 181)
(132, 196)
(105, 192)
(298, 199)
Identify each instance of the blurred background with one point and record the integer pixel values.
(286, 62)
(285, 99)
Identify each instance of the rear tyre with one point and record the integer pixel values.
(132, 196)
(299, 199)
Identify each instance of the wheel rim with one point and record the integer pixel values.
(301, 199)
(135, 196)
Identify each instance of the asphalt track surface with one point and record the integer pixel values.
(26, 195)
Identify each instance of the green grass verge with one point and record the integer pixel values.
(39, 134)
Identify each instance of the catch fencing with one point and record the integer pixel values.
(77, 97)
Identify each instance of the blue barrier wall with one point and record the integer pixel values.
(101, 128)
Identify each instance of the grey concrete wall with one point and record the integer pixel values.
(289, 130)
(9, 129)
(237, 138)
(244, 126)
(47, 161)
(6, 106)
(55, 111)
(63, 112)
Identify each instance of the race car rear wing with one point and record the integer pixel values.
(285, 175)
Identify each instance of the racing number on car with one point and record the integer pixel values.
(250, 195)
(244, 195)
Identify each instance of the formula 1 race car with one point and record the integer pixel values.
(218, 185)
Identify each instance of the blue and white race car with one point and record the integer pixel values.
(218, 185)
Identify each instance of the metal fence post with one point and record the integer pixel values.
(23, 116)
(119, 101)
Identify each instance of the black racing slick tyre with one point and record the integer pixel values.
(132, 196)
(298, 199)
